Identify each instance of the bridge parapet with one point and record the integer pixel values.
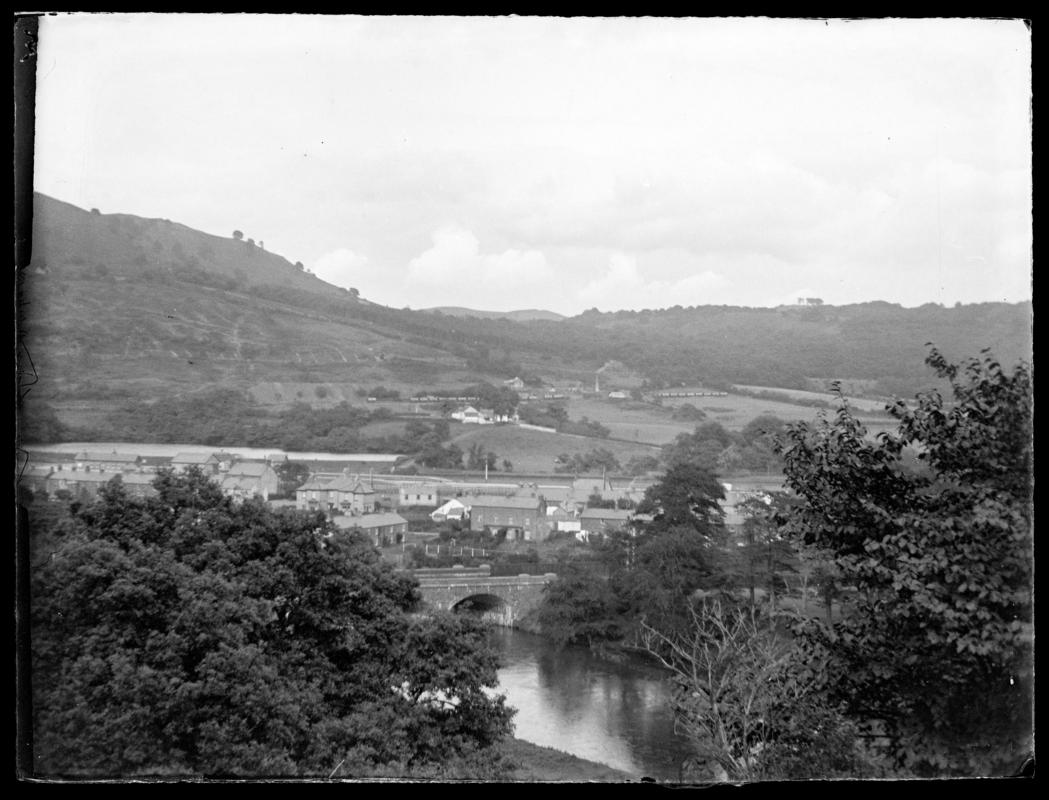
(509, 597)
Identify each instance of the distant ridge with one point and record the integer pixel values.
(524, 315)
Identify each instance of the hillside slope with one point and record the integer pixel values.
(522, 315)
(115, 308)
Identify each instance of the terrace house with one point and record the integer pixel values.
(417, 494)
(108, 462)
(352, 496)
(383, 529)
(603, 520)
(315, 494)
(522, 516)
(84, 484)
(250, 479)
(206, 462)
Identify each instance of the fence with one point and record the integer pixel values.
(438, 550)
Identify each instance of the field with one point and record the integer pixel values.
(534, 451)
(858, 403)
(654, 424)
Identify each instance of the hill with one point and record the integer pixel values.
(524, 315)
(117, 309)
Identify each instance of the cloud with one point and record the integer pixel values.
(454, 264)
(623, 286)
(341, 267)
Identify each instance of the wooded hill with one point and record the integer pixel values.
(115, 306)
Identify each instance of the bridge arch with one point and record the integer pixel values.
(502, 599)
(489, 607)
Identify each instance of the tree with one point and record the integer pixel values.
(238, 235)
(937, 645)
(686, 495)
(187, 635)
(749, 710)
(639, 465)
(292, 475)
(580, 607)
(700, 448)
(766, 554)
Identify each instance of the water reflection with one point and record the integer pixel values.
(610, 712)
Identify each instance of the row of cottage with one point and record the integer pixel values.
(82, 474)
(529, 512)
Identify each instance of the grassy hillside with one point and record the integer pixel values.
(115, 307)
(524, 315)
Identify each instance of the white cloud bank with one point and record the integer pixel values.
(623, 286)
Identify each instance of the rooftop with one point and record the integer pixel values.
(490, 501)
(607, 513)
(366, 521)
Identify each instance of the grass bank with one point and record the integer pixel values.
(535, 763)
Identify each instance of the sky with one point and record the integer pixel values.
(564, 164)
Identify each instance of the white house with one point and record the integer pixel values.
(453, 509)
(471, 415)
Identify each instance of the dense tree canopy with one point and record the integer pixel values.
(185, 634)
(686, 495)
(939, 549)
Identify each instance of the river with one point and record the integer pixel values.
(615, 713)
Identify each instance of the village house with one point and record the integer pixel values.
(153, 463)
(522, 517)
(108, 462)
(352, 496)
(471, 416)
(417, 494)
(337, 492)
(84, 484)
(314, 494)
(383, 529)
(604, 520)
(250, 479)
(562, 517)
(208, 463)
(226, 460)
(454, 509)
(516, 384)
(627, 489)
(570, 386)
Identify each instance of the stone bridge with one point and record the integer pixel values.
(502, 599)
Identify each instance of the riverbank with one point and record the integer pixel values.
(537, 764)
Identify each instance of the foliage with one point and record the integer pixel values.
(185, 634)
(689, 413)
(226, 418)
(578, 608)
(654, 573)
(292, 474)
(380, 393)
(765, 555)
(599, 458)
(938, 646)
(478, 459)
(640, 465)
(686, 495)
(748, 709)
(38, 423)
